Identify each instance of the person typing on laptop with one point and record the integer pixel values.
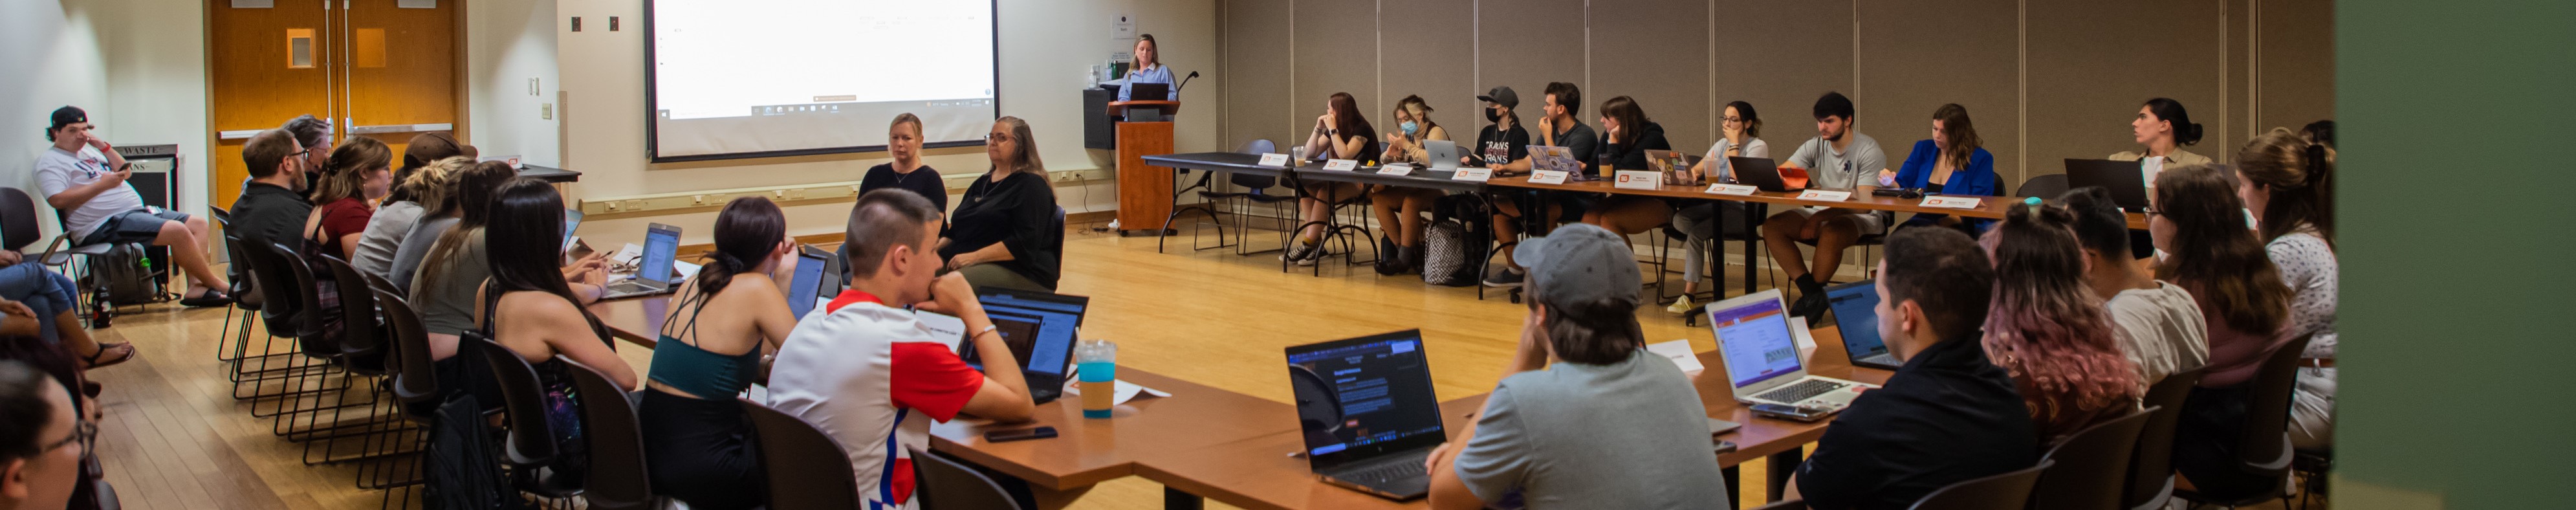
(1947, 415)
(709, 350)
(1588, 418)
(1558, 127)
(870, 375)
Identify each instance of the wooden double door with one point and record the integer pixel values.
(383, 69)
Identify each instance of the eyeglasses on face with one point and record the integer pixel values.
(82, 431)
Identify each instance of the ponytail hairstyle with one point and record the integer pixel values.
(746, 231)
(1961, 134)
(423, 149)
(2045, 325)
(2213, 251)
(472, 206)
(433, 186)
(348, 168)
(2300, 174)
(526, 253)
(1421, 112)
(2184, 131)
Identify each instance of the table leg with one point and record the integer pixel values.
(1752, 229)
(1174, 499)
(1734, 485)
(1782, 465)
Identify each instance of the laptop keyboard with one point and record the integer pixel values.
(1388, 473)
(1803, 390)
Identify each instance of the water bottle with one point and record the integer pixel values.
(1097, 363)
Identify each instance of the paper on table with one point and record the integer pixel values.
(951, 330)
(1680, 352)
(627, 255)
(1126, 390)
(686, 269)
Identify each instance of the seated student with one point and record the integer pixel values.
(403, 208)
(1342, 132)
(42, 440)
(2287, 180)
(84, 178)
(1741, 136)
(2200, 221)
(710, 350)
(1502, 142)
(1953, 162)
(1947, 415)
(1557, 127)
(527, 308)
(2161, 129)
(868, 374)
(439, 188)
(457, 262)
(314, 134)
(345, 201)
(50, 304)
(906, 172)
(1838, 158)
(1003, 232)
(1631, 134)
(270, 210)
(1399, 209)
(1543, 433)
(2159, 326)
(2049, 331)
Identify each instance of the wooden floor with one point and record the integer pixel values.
(175, 439)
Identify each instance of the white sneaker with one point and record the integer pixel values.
(1680, 306)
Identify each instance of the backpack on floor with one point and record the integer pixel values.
(1449, 254)
(461, 469)
(124, 276)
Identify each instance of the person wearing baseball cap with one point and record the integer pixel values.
(1586, 403)
(84, 176)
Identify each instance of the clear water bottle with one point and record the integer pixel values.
(1097, 363)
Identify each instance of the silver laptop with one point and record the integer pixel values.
(1442, 153)
(1762, 356)
(653, 271)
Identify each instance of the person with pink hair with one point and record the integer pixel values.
(2049, 330)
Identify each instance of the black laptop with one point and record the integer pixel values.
(1040, 328)
(2126, 180)
(1368, 413)
(1855, 307)
(1760, 172)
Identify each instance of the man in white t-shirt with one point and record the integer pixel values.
(865, 372)
(2161, 327)
(84, 177)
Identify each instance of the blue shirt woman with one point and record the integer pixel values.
(1978, 178)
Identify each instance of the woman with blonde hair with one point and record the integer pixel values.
(1005, 232)
(1399, 209)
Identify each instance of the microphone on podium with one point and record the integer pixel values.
(1185, 83)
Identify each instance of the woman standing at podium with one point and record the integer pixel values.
(1148, 68)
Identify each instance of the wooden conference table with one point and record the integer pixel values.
(1204, 442)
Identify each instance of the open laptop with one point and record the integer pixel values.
(1443, 155)
(1762, 356)
(2126, 180)
(1762, 173)
(653, 272)
(572, 223)
(1040, 328)
(1368, 413)
(1542, 157)
(805, 286)
(1855, 308)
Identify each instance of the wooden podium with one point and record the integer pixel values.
(1144, 191)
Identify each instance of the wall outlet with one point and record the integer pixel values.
(634, 205)
(546, 111)
(796, 194)
(698, 200)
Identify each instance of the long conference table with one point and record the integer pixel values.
(1203, 442)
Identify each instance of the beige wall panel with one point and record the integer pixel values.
(1527, 43)
(1916, 56)
(1255, 73)
(1430, 48)
(2093, 63)
(1336, 51)
(1780, 55)
(2296, 64)
(1655, 51)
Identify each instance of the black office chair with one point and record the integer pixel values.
(2003, 491)
(807, 470)
(2263, 446)
(1255, 191)
(2092, 465)
(529, 448)
(320, 350)
(412, 378)
(2045, 187)
(252, 370)
(618, 478)
(242, 302)
(362, 352)
(2151, 480)
(946, 484)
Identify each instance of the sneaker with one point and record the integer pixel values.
(1504, 277)
(1681, 306)
(1299, 251)
(1811, 306)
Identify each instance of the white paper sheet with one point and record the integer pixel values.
(951, 330)
(1126, 390)
(1680, 352)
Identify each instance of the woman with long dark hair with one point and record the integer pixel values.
(2049, 330)
(1003, 231)
(454, 263)
(1953, 161)
(1740, 135)
(1627, 135)
(725, 318)
(527, 308)
(1342, 132)
(2287, 180)
(2195, 215)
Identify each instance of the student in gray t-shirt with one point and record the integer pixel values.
(1841, 159)
(1589, 418)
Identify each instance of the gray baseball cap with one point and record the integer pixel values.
(1502, 96)
(1579, 262)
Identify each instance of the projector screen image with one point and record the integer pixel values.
(750, 78)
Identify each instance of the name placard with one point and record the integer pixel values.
(1473, 174)
(1274, 160)
(1732, 189)
(1952, 202)
(1825, 196)
(1636, 179)
(1341, 165)
(1395, 169)
(1548, 177)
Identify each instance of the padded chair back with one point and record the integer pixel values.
(807, 469)
(2265, 447)
(2008, 490)
(948, 485)
(246, 288)
(531, 440)
(618, 479)
(361, 333)
(1057, 231)
(1251, 182)
(18, 227)
(2045, 186)
(279, 306)
(299, 282)
(2092, 466)
(2151, 466)
(415, 375)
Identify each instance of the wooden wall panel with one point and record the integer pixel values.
(1430, 48)
(1780, 55)
(1656, 52)
(1916, 56)
(1254, 70)
(2093, 63)
(1336, 51)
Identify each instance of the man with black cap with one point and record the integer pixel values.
(1588, 418)
(1558, 127)
(82, 175)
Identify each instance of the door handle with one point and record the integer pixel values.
(401, 128)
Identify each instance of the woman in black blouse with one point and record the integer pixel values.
(1004, 232)
(907, 172)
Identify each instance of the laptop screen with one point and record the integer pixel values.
(802, 286)
(1756, 340)
(1360, 397)
(1040, 329)
(661, 245)
(1856, 314)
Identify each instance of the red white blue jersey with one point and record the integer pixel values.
(874, 379)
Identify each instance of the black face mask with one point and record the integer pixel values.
(1493, 115)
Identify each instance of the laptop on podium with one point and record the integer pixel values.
(1367, 412)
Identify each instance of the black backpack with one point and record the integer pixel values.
(125, 276)
(461, 470)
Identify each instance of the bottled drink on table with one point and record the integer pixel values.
(1097, 363)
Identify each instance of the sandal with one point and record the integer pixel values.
(210, 298)
(103, 348)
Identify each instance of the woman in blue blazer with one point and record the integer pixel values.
(1950, 163)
